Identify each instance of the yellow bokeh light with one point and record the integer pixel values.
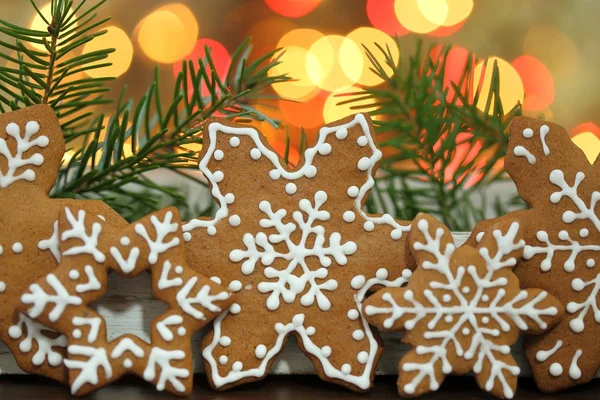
(368, 37)
(38, 24)
(293, 63)
(333, 111)
(511, 86)
(458, 11)
(589, 143)
(121, 58)
(554, 49)
(410, 14)
(300, 38)
(445, 12)
(331, 69)
(168, 34)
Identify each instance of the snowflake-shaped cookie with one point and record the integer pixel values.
(297, 247)
(31, 149)
(562, 252)
(90, 250)
(462, 310)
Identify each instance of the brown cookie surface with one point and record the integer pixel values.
(92, 248)
(462, 309)
(31, 149)
(299, 251)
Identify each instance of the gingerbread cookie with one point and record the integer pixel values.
(31, 149)
(91, 249)
(562, 255)
(298, 250)
(462, 309)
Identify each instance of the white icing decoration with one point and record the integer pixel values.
(260, 351)
(74, 274)
(325, 149)
(234, 141)
(465, 312)
(353, 315)
(77, 333)
(556, 369)
(290, 188)
(17, 247)
(219, 155)
(363, 357)
(353, 191)
(362, 141)
(574, 371)
(127, 345)
(127, 363)
(358, 281)
(162, 359)
(125, 241)
(96, 359)
(23, 145)
(349, 216)
(223, 360)
(479, 236)
(78, 231)
(255, 153)
(203, 298)
(162, 229)
(2, 286)
(235, 220)
(44, 343)
(288, 285)
(544, 129)
(181, 331)
(164, 282)
(216, 279)
(235, 286)
(92, 284)
(39, 299)
(163, 326)
(94, 323)
(527, 133)
(126, 265)
(358, 335)
(364, 163)
(521, 151)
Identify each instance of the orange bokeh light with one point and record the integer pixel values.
(447, 30)
(537, 81)
(293, 156)
(456, 61)
(333, 62)
(219, 55)
(382, 16)
(307, 114)
(292, 8)
(410, 13)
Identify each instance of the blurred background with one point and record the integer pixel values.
(545, 49)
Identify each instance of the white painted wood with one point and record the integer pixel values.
(129, 307)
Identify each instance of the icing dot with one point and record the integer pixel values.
(369, 226)
(576, 325)
(125, 241)
(353, 191)
(349, 216)
(353, 314)
(187, 236)
(364, 163)
(17, 247)
(590, 263)
(310, 330)
(218, 176)
(216, 279)
(223, 360)
(346, 369)
(446, 298)
(219, 155)
(485, 297)
(358, 335)
(362, 141)
(357, 282)
(255, 153)
(381, 274)
(584, 233)
(15, 332)
(229, 198)
(2, 287)
(77, 333)
(274, 174)
(341, 133)
(465, 289)
(234, 141)
(485, 320)
(235, 286)
(235, 220)
(179, 269)
(528, 133)
(235, 308)
(181, 331)
(466, 331)
(324, 149)
(556, 369)
(448, 318)
(326, 351)
(578, 284)
(73, 274)
(396, 234)
(127, 363)
(225, 341)
(291, 188)
(310, 172)
(1, 250)
(260, 351)
(363, 357)
(237, 366)
(211, 230)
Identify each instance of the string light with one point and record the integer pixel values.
(121, 58)
(292, 8)
(331, 69)
(537, 81)
(511, 87)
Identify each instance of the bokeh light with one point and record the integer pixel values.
(446, 30)
(331, 69)
(511, 87)
(267, 32)
(553, 48)
(589, 143)
(292, 8)
(293, 62)
(333, 110)
(537, 81)
(456, 62)
(306, 114)
(367, 37)
(220, 58)
(38, 24)
(382, 16)
(300, 37)
(168, 34)
(445, 12)
(121, 58)
(410, 13)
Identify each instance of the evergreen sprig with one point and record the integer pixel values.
(111, 161)
(420, 125)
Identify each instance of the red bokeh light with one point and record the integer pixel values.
(292, 8)
(585, 127)
(537, 81)
(456, 62)
(220, 57)
(382, 16)
(307, 114)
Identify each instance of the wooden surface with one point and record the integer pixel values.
(278, 387)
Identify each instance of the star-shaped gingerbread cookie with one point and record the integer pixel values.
(462, 309)
(90, 250)
(299, 251)
(31, 149)
(562, 252)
